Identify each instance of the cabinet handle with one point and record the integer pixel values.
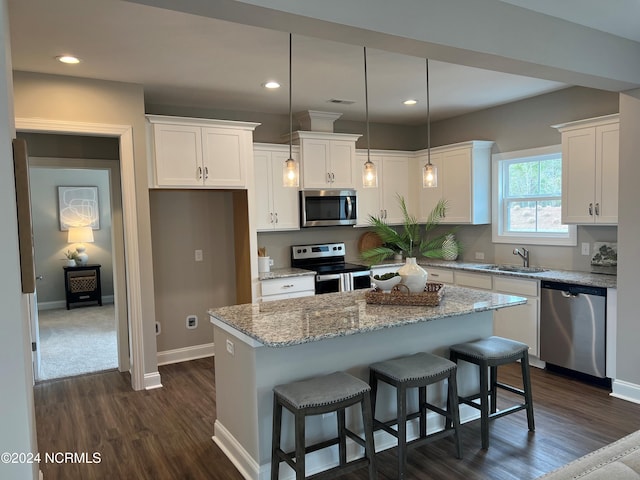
(333, 177)
(597, 209)
(434, 274)
(287, 286)
(206, 173)
(271, 215)
(199, 173)
(385, 213)
(328, 177)
(276, 217)
(591, 209)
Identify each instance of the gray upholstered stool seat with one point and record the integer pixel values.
(489, 353)
(315, 396)
(416, 371)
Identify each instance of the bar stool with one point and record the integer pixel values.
(315, 396)
(416, 371)
(489, 354)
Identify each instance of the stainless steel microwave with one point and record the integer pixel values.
(324, 208)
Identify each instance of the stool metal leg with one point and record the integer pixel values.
(300, 445)
(369, 444)
(275, 440)
(528, 396)
(342, 444)
(484, 404)
(493, 379)
(453, 410)
(402, 429)
(422, 401)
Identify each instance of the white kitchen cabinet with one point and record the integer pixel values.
(439, 275)
(520, 322)
(199, 153)
(393, 170)
(474, 280)
(326, 159)
(590, 171)
(464, 180)
(277, 206)
(287, 287)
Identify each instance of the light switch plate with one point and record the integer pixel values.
(198, 255)
(585, 248)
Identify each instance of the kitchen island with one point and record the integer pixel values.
(262, 345)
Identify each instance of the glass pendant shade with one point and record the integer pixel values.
(290, 171)
(369, 175)
(290, 174)
(429, 176)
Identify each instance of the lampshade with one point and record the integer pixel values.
(80, 235)
(369, 172)
(290, 172)
(429, 172)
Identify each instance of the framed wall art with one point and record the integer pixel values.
(78, 207)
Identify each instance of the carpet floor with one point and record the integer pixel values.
(77, 341)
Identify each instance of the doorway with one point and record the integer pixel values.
(81, 337)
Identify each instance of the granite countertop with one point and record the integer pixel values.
(284, 273)
(565, 276)
(302, 320)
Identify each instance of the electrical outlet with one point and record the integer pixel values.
(585, 248)
(192, 322)
(198, 255)
(158, 328)
(479, 255)
(230, 347)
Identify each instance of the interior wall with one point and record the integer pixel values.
(72, 99)
(51, 243)
(183, 221)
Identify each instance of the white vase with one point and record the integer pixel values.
(71, 262)
(413, 275)
(449, 248)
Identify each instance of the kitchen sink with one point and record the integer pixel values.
(512, 268)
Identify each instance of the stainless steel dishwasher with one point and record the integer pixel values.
(573, 327)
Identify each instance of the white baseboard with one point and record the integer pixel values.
(240, 458)
(185, 354)
(57, 304)
(625, 391)
(152, 380)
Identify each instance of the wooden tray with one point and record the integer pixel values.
(399, 295)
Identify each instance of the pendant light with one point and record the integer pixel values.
(290, 171)
(369, 173)
(429, 172)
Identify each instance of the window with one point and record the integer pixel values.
(528, 198)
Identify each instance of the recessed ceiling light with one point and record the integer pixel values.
(410, 102)
(70, 59)
(271, 84)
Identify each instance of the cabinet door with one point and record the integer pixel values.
(286, 205)
(342, 154)
(578, 175)
(224, 153)
(368, 198)
(316, 167)
(456, 185)
(519, 323)
(607, 160)
(178, 155)
(263, 200)
(394, 181)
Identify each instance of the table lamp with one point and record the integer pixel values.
(80, 236)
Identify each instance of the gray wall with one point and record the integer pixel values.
(51, 243)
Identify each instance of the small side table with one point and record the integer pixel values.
(82, 284)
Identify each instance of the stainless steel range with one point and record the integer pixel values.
(333, 273)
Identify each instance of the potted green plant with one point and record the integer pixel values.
(410, 238)
(72, 257)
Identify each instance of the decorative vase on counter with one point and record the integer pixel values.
(449, 248)
(413, 275)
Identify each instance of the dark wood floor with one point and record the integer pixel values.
(166, 433)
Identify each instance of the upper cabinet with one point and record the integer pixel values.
(464, 181)
(393, 170)
(277, 206)
(199, 153)
(590, 170)
(326, 159)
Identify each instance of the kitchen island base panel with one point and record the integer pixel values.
(246, 375)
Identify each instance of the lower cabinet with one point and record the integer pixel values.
(287, 287)
(517, 323)
(439, 275)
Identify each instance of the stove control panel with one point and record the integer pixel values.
(325, 250)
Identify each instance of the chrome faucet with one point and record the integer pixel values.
(524, 254)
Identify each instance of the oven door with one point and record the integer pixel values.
(330, 283)
(361, 280)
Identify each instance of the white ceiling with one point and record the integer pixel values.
(186, 60)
